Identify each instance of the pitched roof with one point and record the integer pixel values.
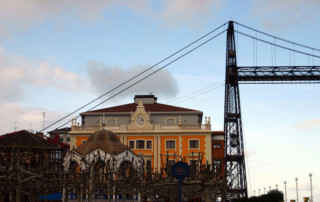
(25, 139)
(105, 140)
(60, 130)
(156, 107)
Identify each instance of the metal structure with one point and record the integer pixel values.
(234, 148)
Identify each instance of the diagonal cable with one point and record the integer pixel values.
(134, 77)
(151, 73)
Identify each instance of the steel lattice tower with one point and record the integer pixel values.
(235, 168)
(234, 150)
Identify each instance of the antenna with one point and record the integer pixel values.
(15, 126)
(44, 116)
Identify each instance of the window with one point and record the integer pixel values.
(170, 144)
(194, 167)
(83, 141)
(217, 145)
(194, 144)
(140, 144)
(131, 144)
(170, 121)
(216, 166)
(194, 162)
(171, 162)
(61, 139)
(149, 144)
(111, 122)
(149, 164)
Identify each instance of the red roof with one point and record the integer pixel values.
(156, 107)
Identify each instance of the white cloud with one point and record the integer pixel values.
(309, 125)
(190, 12)
(104, 78)
(24, 117)
(18, 72)
(20, 15)
(285, 13)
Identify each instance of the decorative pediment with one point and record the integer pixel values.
(140, 119)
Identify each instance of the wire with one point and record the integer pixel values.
(246, 159)
(290, 49)
(194, 92)
(277, 37)
(152, 73)
(137, 75)
(198, 94)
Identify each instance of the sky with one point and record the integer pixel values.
(56, 56)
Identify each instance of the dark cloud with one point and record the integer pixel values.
(104, 78)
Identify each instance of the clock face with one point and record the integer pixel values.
(140, 120)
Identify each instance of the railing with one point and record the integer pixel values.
(155, 127)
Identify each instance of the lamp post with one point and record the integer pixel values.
(259, 192)
(285, 191)
(297, 189)
(254, 192)
(276, 186)
(264, 192)
(269, 188)
(311, 198)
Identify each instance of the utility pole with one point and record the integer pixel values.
(311, 198)
(285, 190)
(297, 189)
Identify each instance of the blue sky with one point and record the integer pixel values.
(56, 56)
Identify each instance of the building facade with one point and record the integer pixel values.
(62, 133)
(156, 131)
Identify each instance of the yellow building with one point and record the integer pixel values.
(154, 130)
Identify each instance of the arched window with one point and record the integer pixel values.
(125, 169)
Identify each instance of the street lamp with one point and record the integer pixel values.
(285, 190)
(269, 188)
(276, 186)
(259, 192)
(297, 189)
(311, 198)
(264, 192)
(254, 192)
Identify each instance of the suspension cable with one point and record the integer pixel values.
(137, 75)
(200, 94)
(290, 49)
(196, 91)
(169, 63)
(304, 46)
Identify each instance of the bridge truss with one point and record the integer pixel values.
(234, 146)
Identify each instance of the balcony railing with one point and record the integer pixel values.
(156, 127)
